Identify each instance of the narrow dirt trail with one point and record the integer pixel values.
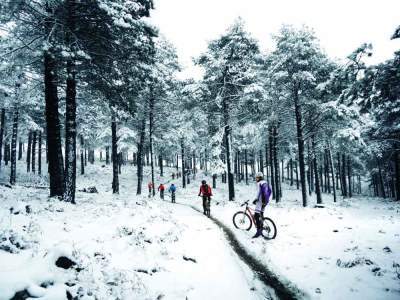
(226, 276)
(280, 287)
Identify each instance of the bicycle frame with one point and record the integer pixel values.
(250, 212)
(268, 226)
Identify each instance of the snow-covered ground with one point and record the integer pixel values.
(131, 247)
(346, 250)
(125, 247)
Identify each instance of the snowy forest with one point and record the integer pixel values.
(96, 122)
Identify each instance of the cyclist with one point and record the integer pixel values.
(172, 190)
(263, 194)
(205, 191)
(150, 187)
(161, 188)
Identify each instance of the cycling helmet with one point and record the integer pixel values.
(203, 182)
(259, 174)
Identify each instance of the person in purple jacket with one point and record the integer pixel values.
(263, 194)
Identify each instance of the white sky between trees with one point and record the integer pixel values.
(340, 25)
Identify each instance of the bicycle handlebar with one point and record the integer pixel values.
(245, 203)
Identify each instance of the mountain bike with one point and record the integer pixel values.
(244, 220)
(207, 206)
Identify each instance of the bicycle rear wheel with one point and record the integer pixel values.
(269, 229)
(242, 221)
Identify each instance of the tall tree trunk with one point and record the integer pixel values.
(253, 168)
(70, 113)
(349, 175)
(339, 174)
(315, 164)
(194, 164)
(151, 128)
(13, 174)
(310, 173)
(245, 168)
(7, 153)
(120, 159)
(29, 152)
(271, 160)
(40, 153)
(397, 173)
(20, 149)
(34, 140)
(344, 184)
(381, 181)
(3, 120)
(266, 162)
(206, 161)
(139, 156)
(300, 142)
(330, 157)
(214, 180)
(160, 163)
(183, 163)
(114, 153)
(56, 162)
(291, 171)
(82, 154)
(328, 167)
(231, 183)
(236, 169)
(321, 176)
(276, 165)
(107, 155)
(297, 175)
(91, 156)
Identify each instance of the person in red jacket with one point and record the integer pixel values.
(150, 187)
(205, 191)
(161, 188)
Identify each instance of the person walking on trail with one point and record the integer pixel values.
(205, 191)
(150, 187)
(172, 190)
(161, 189)
(263, 195)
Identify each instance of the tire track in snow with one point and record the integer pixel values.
(283, 288)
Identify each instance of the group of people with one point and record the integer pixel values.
(161, 189)
(177, 175)
(261, 201)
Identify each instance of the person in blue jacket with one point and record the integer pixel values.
(263, 195)
(172, 190)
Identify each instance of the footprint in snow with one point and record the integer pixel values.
(387, 249)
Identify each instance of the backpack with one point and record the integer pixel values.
(206, 190)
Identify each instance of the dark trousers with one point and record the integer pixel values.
(173, 197)
(259, 219)
(206, 202)
(162, 194)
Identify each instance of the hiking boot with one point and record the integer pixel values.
(258, 233)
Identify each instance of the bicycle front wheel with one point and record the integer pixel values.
(242, 221)
(269, 229)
